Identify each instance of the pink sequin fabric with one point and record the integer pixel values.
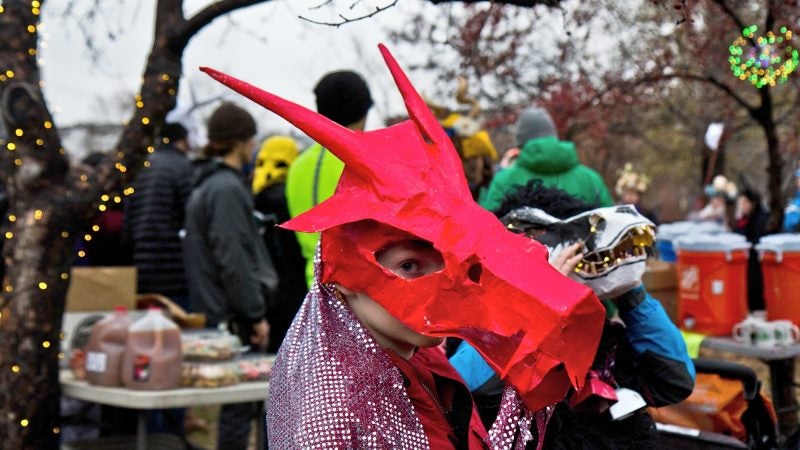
(511, 429)
(333, 387)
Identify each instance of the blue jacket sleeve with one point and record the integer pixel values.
(648, 328)
(663, 371)
(471, 366)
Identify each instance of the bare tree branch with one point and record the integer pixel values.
(345, 20)
(706, 79)
(527, 3)
(730, 13)
(326, 2)
(207, 15)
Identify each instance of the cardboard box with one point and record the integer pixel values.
(660, 275)
(661, 281)
(101, 288)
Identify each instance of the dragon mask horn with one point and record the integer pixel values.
(418, 111)
(425, 122)
(341, 141)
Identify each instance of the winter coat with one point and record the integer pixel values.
(285, 252)
(754, 226)
(554, 162)
(230, 273)
(312, 178)
(153, 219)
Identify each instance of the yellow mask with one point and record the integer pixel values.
(474, 141)
(272, 161)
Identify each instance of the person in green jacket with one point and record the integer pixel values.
(543, 156)
(343, 97)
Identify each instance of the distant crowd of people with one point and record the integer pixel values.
(358, 367)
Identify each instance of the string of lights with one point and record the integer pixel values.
(763, 61)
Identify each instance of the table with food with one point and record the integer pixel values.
(144, 361)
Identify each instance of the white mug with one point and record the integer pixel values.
(764, 334)
(785, 331)
(745, 331)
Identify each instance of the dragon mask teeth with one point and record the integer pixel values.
(634, 246)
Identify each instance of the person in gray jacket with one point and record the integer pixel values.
(229, 270)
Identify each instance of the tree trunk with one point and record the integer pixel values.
(49, 207)
(765, 118)
(39, 257)
(34, 171)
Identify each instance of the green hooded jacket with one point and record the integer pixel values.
(554, 162)
(312, 178)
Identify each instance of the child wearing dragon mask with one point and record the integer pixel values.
(647, 355)
(406, 257)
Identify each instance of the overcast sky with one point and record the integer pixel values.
(267, 45)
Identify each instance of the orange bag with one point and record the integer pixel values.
(716, 405)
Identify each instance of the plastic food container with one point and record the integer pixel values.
(254, 367)
(208, 374)
(210, 345)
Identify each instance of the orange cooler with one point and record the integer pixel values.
(780, 263)
(712, 282)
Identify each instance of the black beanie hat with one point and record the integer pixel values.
(230, 123)
(173, 131)
(343, 97)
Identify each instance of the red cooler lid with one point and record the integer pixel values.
(670, 231)
(720, 242)
(778, 244)
(787, 242)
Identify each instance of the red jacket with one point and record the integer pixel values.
(441, 400)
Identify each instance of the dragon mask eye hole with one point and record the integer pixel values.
(410, 258)
(527, 230)
(534, 232)
(594, 221)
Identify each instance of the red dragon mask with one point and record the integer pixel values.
(538, 329)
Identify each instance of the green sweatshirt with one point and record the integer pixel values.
(554, 162)
(312, 178)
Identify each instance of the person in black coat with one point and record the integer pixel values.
(154, 217)
(751, 221)
(269, 186)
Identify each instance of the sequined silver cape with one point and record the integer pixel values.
(333, 387)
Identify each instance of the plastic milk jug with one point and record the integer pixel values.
(152, 358)
(105, 347)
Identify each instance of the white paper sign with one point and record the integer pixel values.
(714, 134)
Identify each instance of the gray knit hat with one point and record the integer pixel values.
(534, 123)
